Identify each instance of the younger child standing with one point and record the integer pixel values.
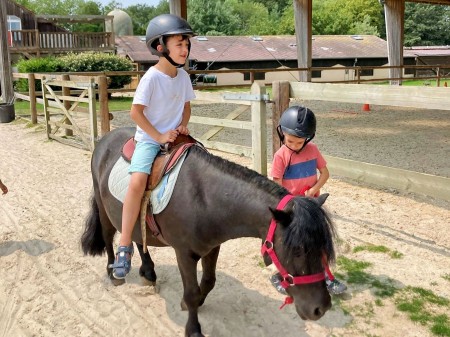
(161, 110)
(295, 167)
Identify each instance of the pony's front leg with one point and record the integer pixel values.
(187, 264)
(209, 263)
(147, 269)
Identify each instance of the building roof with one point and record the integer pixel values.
(429, 50)
(263, 48)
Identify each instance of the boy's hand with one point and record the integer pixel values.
(183, 130)
(168, 137)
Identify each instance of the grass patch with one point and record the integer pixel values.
(378, 249)
(425, 307)
(446, 277)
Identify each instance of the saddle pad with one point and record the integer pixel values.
(119, 180)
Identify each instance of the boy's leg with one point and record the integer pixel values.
(140, 167)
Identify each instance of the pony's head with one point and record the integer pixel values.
(303, 241)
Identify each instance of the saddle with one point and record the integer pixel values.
(166, 159)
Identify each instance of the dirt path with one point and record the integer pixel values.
(48, 288)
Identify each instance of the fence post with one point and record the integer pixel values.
(259, 130)
(67, 104)
(104, 109)
(280, 93)
(32, 94)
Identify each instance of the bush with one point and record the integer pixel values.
(36, 65)
(90, 62)
(85, 62)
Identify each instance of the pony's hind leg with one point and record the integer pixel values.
(209, 263)
(147, 269)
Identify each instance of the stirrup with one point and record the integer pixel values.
(122, 265)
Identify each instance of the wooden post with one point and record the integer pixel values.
(104, 108)
(395, 17)
(67, 104)
(259, 130)
(32, 94)
(48, 129)
(303, 32)
(178, 7)
(6, 82)
(92, 114)
(280, 93)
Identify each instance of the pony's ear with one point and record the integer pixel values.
(321, 198)
(282, 217)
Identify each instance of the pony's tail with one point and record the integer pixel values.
(92, 241)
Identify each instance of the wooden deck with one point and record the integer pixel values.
(34, 43)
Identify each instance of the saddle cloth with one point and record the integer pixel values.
(119, 180)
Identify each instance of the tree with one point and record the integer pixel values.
(89, 8)
(254, 18)
(142, 14)
(56, 7)
(209, 17)
(426, 25)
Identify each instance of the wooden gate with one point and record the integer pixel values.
(67, 114)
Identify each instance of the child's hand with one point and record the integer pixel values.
(168, 137)
(183, 130)
(311, 192)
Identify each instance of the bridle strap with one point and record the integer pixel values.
(267, 248)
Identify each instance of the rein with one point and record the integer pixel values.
(268, 247)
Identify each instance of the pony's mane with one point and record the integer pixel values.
(241, 173)
(312, 232)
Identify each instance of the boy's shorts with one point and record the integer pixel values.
(143, 157)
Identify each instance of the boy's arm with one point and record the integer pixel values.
(182, 128)
(324, 175)
(137, 115)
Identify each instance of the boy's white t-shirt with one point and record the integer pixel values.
(164, 98)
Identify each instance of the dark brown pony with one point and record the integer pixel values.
(215, 200)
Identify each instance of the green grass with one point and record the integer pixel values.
(418, 82)
(378, 249)
(426, 308)
(421, 305)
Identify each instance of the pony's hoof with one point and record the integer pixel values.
(184, 307)
(197, 334)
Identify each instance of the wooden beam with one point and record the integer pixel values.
(303, 32)
(5, 64)
(395, 18)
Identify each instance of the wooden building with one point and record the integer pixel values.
(46, 35)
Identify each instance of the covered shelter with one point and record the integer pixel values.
(394, 16)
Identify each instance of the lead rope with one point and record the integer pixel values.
(144, 204)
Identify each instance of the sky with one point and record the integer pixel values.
(126, 3)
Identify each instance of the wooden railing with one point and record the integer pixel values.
(33, 41)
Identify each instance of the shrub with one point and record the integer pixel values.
(91, 61)
(36, 65)
(85, 62)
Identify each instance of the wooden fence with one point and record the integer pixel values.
(414, 97)
(65, 104)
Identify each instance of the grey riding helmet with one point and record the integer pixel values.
(298, 121)
(162, 26)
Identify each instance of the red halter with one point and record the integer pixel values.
(287, 279)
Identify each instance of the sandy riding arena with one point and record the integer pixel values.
(48, 288)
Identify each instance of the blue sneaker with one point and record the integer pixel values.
(122, 265)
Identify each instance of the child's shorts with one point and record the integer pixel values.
(143, 157)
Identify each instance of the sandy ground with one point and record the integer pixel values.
(48, 288)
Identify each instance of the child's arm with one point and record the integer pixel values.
(137, 115)
(278, 181)
(324, 175)
(182, 128)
